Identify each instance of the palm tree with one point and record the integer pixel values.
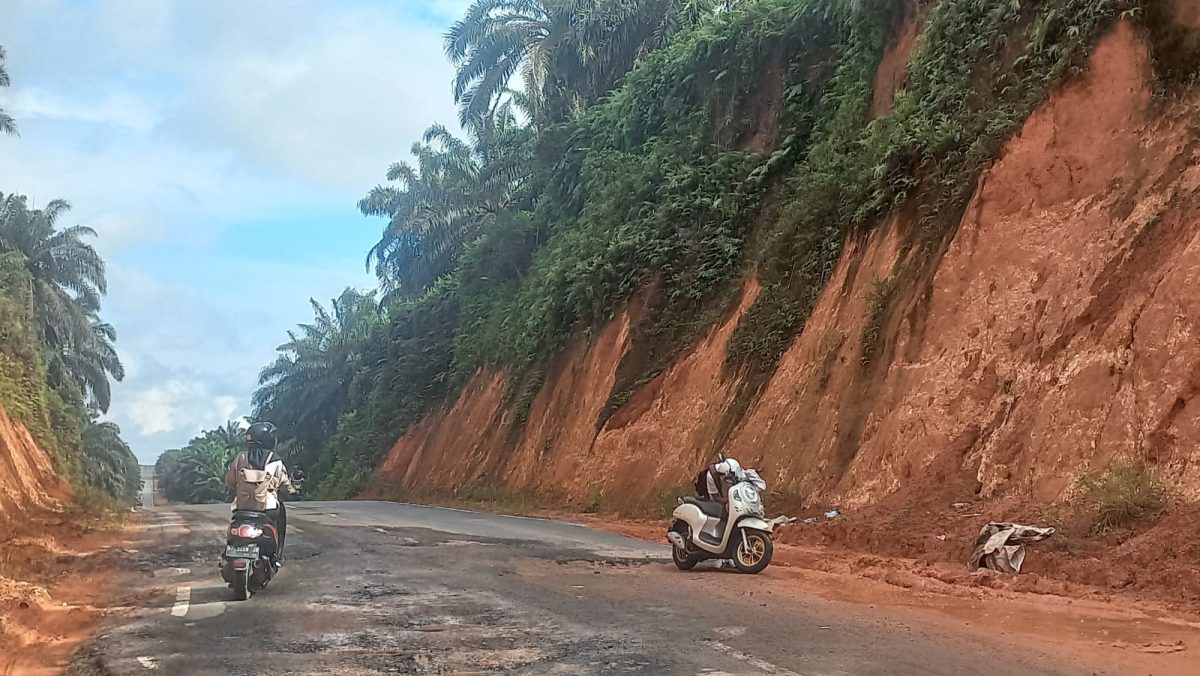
(569, 53)
(7, 124)
(108, 464)
(448, 199)
(66, 282)
(306, 390)
(195, 474)
(232, 434)
(92, 361)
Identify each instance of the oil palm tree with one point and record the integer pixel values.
(7, 124)
(447, 199)
(306, 389)
(568, 53)
(195, 474)
(108, 463)
(91, 361)
(66, 282)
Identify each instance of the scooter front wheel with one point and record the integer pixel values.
(754, 551)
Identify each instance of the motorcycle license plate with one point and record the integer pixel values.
(241, 552)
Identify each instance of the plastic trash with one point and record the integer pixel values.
(832, 514)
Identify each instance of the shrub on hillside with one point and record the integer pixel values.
(1123, 493)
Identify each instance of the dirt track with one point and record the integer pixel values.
(383, 588)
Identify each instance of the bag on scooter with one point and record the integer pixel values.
(254, 488)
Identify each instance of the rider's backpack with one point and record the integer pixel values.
(701, 484)
(254, 487)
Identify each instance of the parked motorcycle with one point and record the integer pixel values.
(702, 530)
(250, 547)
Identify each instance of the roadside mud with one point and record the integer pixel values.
(58, 576)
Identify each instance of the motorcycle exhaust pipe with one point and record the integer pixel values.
(676, 539)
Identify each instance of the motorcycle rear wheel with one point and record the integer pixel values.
(241, 585)
(683, 560)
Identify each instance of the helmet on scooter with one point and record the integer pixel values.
(730, 468)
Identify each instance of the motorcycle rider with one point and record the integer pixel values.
(259, 455)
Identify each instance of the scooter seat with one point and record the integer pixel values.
(710, 507)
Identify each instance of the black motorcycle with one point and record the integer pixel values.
(248, 563)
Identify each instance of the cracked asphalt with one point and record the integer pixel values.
(384, 588)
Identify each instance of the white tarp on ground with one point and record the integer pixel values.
(1001, 546)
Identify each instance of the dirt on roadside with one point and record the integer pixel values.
(1093, 597)
(58, 585)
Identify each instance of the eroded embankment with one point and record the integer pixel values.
(1057, 331)
(57, 565)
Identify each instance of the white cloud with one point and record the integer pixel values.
(114, 109)
(333, 101)
(179, 405)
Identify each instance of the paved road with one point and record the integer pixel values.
(374, 588)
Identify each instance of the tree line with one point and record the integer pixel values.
(57, 354)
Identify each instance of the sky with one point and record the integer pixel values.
(219, 149)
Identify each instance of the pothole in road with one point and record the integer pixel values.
(423, 628)
(302, 551)
(609, 562)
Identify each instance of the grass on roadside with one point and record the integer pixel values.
(1125, 492)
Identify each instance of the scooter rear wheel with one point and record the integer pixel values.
(683, 561)
(241, 585)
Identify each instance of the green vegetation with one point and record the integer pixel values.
(57, 358)
(7, 124)
(709, 140)
(1126, 492)
(195, 474)
(879, 298)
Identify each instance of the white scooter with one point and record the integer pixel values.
(702, 530)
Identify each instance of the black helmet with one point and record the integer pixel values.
(261, 435)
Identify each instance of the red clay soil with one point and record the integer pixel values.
(55, 565)
(56, 574)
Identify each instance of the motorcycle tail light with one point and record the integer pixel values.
(246, 531)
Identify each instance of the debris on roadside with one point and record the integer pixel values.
(1153, 648)
(1001, 546)
(832, 514)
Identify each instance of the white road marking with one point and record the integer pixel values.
(147, 662)
(295, 530)
(183, 597)
(750, 659)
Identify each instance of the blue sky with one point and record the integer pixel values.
(219, 149)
